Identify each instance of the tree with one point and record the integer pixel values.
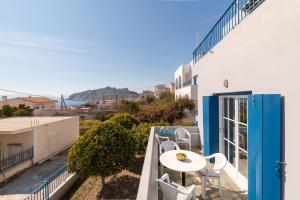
(125, 120)
(7, 111)
(130, 107)
(23, 110)
(102, 117)
(167, 96)
(141, 135)
(103, 151)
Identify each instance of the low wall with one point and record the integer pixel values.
(148, 188)
(63, 188)
(4, 176)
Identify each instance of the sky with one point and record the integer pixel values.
(64, 46)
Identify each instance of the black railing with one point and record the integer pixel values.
(236, 12)
(15, 159)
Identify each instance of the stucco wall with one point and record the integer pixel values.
(25, 139)
(261, 55)
(54, 137)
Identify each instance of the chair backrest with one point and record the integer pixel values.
(220, 161)
(160, 139)
(169, 191)
(182, 133)
(168, 146)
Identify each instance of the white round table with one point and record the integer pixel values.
(194, 162)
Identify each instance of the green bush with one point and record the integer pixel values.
(8, 111)
(130, 107)
(125, 120)
(103, 151)
(102, 117)
(166, 111)
(88, 124)
(141, 135)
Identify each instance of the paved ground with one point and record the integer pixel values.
(229, 190)
(32, 178)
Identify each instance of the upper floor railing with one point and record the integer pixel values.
(15, 159)
(236, 12)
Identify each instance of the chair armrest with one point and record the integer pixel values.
(164, 137)
(209, 157)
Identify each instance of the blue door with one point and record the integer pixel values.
(264, 126)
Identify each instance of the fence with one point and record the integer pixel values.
(236, 12)
(15, 159)
(50, 184)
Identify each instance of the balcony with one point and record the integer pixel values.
(236, 12)
(148, 188)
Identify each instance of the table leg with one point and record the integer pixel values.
(183, 178)
(203, 187)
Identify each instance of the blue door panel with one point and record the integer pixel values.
(271, 146)
(264, 125)
(254, 147)
(210, 124)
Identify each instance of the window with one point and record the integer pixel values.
(234, 131)
(195, 80)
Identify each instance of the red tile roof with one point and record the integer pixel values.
(38, 99)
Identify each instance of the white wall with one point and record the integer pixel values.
(24, 138)
(261, 55)
(54, 137)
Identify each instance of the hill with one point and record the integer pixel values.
(107, 93)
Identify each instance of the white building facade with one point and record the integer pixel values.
(247, 70)
(186, 84)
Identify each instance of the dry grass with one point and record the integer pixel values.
(122, 186)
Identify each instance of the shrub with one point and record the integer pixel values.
(125, 120)
(7, 111)
(88, 124)
(102, 117)
(141, 135)
(103, 151)
(130, 107)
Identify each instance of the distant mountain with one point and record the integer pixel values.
(107, 93)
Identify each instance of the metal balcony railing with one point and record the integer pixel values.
(50, 184)
(15, 159)
(236, 12)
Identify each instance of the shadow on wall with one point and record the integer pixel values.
(283, 177)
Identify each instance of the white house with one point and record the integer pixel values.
(36, 103)
(248, 95)
(25, 141)
(247, 72)
(186, 84)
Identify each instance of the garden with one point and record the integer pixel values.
(108, 157)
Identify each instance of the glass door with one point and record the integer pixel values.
(233, 122)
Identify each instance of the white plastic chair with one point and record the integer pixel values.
(183, 136)
(173, 191)
(215, 172)
(168, 146)
(161, 139)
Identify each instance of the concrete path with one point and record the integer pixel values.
(24, 184)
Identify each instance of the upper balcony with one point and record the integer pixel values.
(149, 189)
(236, 12)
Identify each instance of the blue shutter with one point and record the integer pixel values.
(210, 124)
(264, 125)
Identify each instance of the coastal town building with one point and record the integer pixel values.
(25, 141)
(246, 73)
(36, 103)
(159, 89)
